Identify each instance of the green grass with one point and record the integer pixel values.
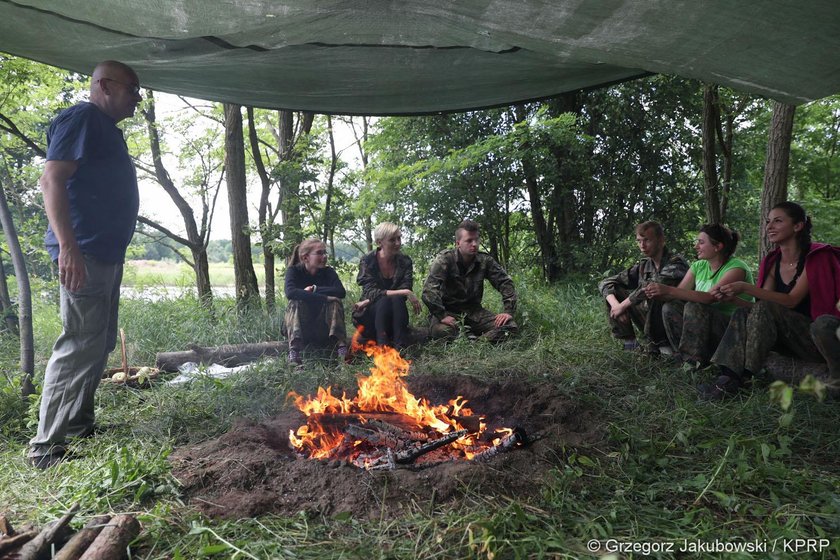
(143, 274)
(668, 468)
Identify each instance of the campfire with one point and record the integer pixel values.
(384, 426)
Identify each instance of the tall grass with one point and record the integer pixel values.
(666, 469)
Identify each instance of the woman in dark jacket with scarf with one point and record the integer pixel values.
(797, 282)
(387, 280)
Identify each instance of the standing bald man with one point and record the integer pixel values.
(91, 199)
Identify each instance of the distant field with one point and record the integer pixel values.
(141, 273)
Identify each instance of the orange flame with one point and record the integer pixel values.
(383, 391)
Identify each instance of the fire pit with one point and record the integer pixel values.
(385, 426)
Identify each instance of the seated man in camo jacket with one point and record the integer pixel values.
(627, 303)
(455, 287)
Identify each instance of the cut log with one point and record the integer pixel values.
(6, 529)
(112, 542)
(80, 542)
(9, 544)
(56, 533)
(228, 355)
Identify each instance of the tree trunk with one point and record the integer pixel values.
(9, 315)
(711, 116)
(247, 289)
(195, 240)
(290, 187)
(328, 223)
(27, 340)
(266, 219)
(776, 166)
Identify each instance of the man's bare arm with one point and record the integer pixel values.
(71, 264)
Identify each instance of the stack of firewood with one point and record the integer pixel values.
(103, 538)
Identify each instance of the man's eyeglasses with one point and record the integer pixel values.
(133, 88)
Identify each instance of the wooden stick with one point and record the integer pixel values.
(39, 547)
(124, 354)
(11, 543)
(113, 540)
(80, 542)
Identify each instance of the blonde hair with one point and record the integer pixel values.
(384, 231)
(304, 248)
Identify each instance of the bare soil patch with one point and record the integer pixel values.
(252, 470)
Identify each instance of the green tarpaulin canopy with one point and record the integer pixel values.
(408, 57)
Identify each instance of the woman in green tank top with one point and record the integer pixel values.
(694, 319)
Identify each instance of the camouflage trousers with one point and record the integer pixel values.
(317, 325)
(480, 321)
(645, 315)
(752, 333)
(826, 334)
(694, 329)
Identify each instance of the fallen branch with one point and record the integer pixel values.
(54, 533)
(113, 540)
(82, 540)
(228, 355)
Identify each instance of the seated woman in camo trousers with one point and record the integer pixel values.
(387, 280)
(315, 313)
(694, 320)
(798, 282)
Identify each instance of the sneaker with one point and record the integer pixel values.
(724, 386)
(294, 357)
(43, 462)
(343, 354)
(665, 350)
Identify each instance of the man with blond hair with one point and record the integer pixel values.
(624, 293)
(91, 200)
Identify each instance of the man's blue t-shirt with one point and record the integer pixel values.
(103, 194)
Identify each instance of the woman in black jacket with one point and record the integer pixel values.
(387, 278)
(315, 313)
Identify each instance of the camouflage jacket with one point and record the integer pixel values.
(634, 279)
(374, 285)
(447, 289)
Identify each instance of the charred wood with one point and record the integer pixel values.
(515, 439)
(410, 455)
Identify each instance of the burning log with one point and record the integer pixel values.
(409, 455)
(396, 421)
(113, 540)
(82, 540)
(56, 533)
(516, 438)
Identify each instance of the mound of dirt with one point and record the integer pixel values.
(252, 470)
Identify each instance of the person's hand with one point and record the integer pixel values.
(502, 319)
(310, 288)
(655, 290)
(360, 306)
(733, 288)
(449, 320)
(71, 268)
(617, 313)
(415, 303)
